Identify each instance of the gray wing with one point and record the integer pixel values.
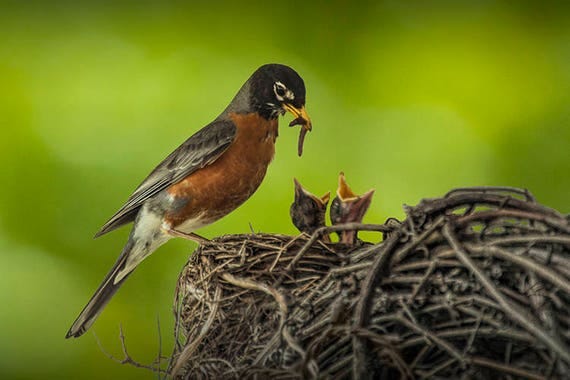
(200, 150)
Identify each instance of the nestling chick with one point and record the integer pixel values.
(308, 211)
(348, 207)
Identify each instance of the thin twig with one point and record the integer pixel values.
(514, 311)
(362, 312)
(283, 249)
(127, 359)
(434, 264)
(492, 189)
(189, 349)
(527, 263)
(417, 240)
(484, 362)
(159, 355)
(337, 228)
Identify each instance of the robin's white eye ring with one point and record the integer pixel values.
(280, 90)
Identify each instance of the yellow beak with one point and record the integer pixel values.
(301, 116)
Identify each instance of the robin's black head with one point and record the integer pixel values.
(276, 89)
(271, 91)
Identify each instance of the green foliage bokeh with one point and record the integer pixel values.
(409, 98)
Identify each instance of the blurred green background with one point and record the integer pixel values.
(409, 98)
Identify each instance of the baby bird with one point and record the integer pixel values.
(348, 207)
(308, 211)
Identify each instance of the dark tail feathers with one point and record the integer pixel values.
(102, 296)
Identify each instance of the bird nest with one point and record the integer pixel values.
(472, 285)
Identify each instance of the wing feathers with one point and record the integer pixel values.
(200, 150)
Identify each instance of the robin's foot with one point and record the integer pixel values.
(188, 236)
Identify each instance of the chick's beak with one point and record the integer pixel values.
(361, 205)
(301, 116)
(326, 198)
(344, 192)
(299, 190)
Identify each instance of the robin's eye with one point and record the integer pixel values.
(280, 90)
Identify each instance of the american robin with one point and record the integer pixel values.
(348, 207)
(308, 211)
(208, 176)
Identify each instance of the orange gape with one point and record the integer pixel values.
(221, 187)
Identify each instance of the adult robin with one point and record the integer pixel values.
(208, 176)
(308, 210)
(347, 207)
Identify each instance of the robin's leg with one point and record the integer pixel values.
(188, 236)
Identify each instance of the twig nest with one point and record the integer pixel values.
(472, 285)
